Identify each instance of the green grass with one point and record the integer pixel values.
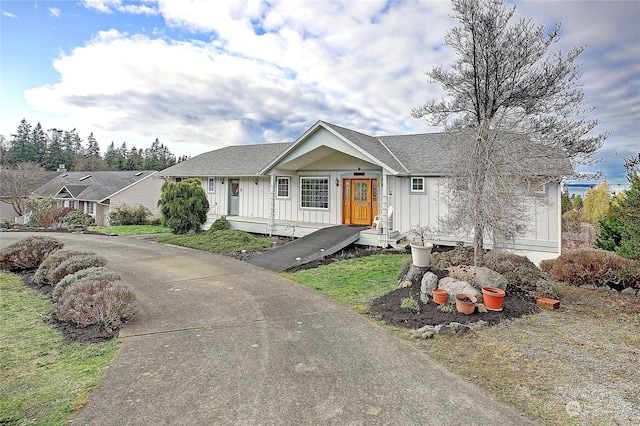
(225, 241)
(42, 380)
(355, 282)
(130, 229)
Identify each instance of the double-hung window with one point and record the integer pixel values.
(314, 192)
(211, 185)
(282, 187)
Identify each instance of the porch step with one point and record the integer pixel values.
(400, 243)
(320, 243)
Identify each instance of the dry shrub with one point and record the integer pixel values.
(75, 264)
(101, 301)
(51, 262)
(519, 270)
(27, 253)
(90, 274)
(593, 266)
(456, 257)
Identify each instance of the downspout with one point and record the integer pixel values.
(272, 208)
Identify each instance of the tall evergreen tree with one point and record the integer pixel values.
(21, 143)
(39, 145)
(56, 154)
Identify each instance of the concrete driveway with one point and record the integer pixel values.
(222, 342)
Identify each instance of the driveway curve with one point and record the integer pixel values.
(222, 342)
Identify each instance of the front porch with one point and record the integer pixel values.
(283, 228)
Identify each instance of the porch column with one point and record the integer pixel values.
(386, 223)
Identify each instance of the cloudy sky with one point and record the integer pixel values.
(201, 74)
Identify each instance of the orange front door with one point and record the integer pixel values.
(361, 201)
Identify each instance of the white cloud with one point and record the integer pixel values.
(269, 70)
(9, 14)
(144, 7)
(54, 11)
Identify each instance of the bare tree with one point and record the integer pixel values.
(521, 107)
(18, 181)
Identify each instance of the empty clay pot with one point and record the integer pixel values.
(440, 296)
(492, 298)
(465, 303)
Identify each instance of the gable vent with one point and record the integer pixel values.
(85, 177)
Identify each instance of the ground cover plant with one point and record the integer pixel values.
(59, 376)
(130, 229)
(222, 241)
(573, 366)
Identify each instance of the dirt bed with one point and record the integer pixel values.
(517, 303)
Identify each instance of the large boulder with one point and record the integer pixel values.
(427, 285)
(455, 286)
(479, 276)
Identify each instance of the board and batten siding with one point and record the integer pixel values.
(410, 209)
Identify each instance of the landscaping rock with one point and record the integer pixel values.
(454, 286)
(442, 329)
(425, 332)
(589, 287)
(628, 291)
(428, 284)
(479, 276)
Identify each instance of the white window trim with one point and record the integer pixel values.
(209, 181)
(288, 179)
(328, 195)
(90, 208)
(418, 191)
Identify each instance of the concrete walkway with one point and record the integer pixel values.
(222, 342)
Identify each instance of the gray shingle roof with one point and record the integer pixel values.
(238, 160)
(98, 187)
(426, 154)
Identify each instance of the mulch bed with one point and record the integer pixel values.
(517, 303)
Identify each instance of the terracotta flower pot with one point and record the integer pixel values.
(492, 298)
(463, 306)
(440, 296)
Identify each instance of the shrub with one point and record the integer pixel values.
(27, 253)
(593, 266)
(127, 215)
(76, 217)
(51, 262)
(519, 270)
(75, 264)
(53, 217)
(410, 303)
(96, 301)
(39, 207)
(456, 257)
(184, 205)
(220, 224)
(90, 274)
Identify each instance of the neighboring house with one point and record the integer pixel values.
(97, 193)
(331, 175)
(7, 212)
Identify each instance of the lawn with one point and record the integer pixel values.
(130, 229)
(42, 380)
(223, 241)
(577, 365)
